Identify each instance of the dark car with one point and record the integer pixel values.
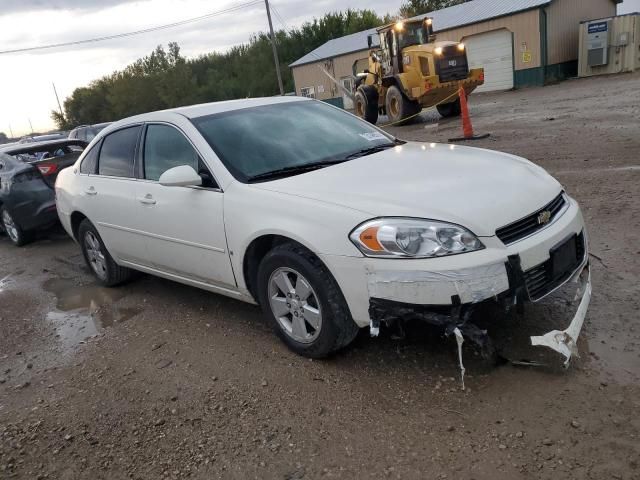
(87, 132)
(42, 138)
(27, 178)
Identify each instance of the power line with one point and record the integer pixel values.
(137, 32)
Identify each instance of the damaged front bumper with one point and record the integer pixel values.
(505, 283)
(565, 341)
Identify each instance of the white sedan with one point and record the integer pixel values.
(327, 222)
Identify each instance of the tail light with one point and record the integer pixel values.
(47, 168)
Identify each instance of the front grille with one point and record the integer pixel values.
(531, 223)
(452, 64)
(540, 279)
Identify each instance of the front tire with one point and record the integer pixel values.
(366, 103)
(15, 233)
(303, 303)
(98, 259)
(451, 109)
(398, 107)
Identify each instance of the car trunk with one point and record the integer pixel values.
(50, 167)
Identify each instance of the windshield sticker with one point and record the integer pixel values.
(373, 136)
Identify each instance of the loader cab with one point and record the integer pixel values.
(394, 38)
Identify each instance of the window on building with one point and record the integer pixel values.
(309, 92)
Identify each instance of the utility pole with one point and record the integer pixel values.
(30, 126)
(11, 131)
(59, 106)
(275, 50)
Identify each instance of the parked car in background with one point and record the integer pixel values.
(42, 138)
(87, 132)
(326, 221)
(27, 177)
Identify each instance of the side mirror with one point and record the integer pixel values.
(181, 176)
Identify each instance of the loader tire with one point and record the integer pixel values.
(451, 109)
(399, 108)
(366, 103)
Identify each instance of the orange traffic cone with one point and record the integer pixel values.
(467, 128)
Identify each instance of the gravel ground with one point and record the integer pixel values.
(158, 380)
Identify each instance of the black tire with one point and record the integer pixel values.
(337, 329)
(113, 274)
(366, 103)
(448, 110)
(15, 233)
(398, 107)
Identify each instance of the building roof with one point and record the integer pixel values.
(338, 46)
(478, 11)
(466, 13)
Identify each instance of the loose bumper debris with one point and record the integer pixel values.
(565, 341)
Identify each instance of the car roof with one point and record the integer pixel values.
(37, 146)
(200, 110)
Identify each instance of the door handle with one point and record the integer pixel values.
(148, 200)
(91, 191)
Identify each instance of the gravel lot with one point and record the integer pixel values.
(158, 380)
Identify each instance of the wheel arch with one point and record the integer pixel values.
(76, 219)
(256, 250)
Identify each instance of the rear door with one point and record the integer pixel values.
(109, 186)
(183, 226)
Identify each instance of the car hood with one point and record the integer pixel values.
(480, 189)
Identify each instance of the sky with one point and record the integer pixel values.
(26, 90)
(26, 79)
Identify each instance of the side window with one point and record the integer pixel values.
(90, 161)
(164, 148)
(117, 153)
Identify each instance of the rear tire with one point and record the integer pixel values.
(15, 233)
(98, 259)
(448, 110)
(322, 323)
(366, 103)
(398, 107)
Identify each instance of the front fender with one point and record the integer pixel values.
(251, 212)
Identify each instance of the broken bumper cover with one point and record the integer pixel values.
(565, 341)
(509, 289)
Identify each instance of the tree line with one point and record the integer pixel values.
(166, 79)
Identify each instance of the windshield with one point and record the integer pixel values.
(413, 34)
(254, 141)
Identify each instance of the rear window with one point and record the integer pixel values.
(118, 152)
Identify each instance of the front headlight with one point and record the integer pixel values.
(413, 238)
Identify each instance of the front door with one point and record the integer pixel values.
(183, 226)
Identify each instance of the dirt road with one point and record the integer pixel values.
(158, 380)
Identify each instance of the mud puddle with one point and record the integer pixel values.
(83, 311)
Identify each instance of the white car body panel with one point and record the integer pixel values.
(467, 186)
(200, 237)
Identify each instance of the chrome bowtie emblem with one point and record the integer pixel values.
(544, 217)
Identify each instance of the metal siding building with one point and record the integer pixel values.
(541, 35)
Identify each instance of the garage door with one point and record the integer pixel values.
(492, 51)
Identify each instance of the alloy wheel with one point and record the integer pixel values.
(95, 255)
(10, 227)
(295, 305)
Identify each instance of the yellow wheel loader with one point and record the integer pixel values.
(410, 71)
